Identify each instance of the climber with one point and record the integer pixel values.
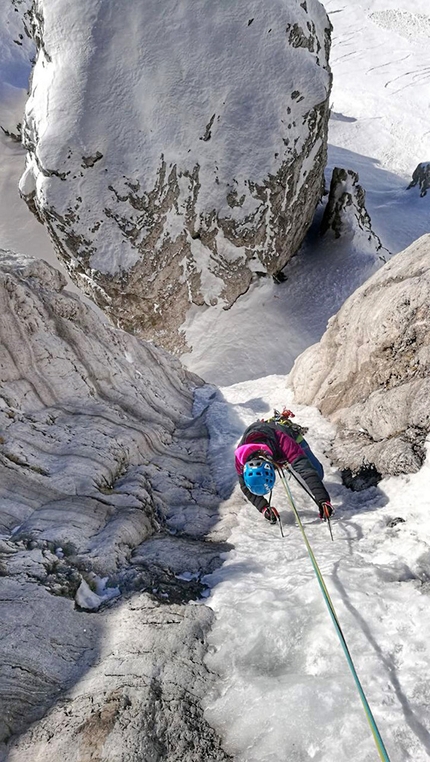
(275, 442)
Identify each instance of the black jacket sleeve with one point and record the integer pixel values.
(259, 501)
(309, 476)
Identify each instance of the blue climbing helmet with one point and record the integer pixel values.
(259, 476)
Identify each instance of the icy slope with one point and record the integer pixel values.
(286, 692)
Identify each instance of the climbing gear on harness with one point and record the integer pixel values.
(259, 476)
(371, 720)
(283, 419)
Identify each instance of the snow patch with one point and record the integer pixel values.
(89, 600)
(409, 25)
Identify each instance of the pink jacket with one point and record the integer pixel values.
(288, 446)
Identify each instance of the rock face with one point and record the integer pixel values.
(421, 177)
(370, 373)
(139, 698)
(346, 214)
(172, 156)
(107, 513)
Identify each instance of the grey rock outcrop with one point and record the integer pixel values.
(169, 179)
(370, 373)
(346, 216)
(421, 177)
(139, 698)
(108, 519)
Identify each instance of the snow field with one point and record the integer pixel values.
(285, 691)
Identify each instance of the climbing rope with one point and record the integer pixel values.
(371, 720)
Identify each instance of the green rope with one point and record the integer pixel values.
(375, 732)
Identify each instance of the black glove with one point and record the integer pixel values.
(326, 510)
(271, 514)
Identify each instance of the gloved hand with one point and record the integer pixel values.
(271, 514)
(326, 510)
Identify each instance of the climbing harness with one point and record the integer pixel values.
(375, 732)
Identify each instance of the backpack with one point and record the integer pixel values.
(285, 424)
(264, 431)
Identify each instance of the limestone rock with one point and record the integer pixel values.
(346, 216)
(137, 694)
(370, 373)
(173, 157)
(99, 455)
(421, 177)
